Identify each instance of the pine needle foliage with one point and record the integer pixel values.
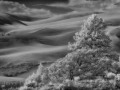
(34, 80)
(91, 54)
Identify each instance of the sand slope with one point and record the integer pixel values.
(43, 40)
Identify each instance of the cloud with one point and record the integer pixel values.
(21, 9)
(93, 4)
(76, 2)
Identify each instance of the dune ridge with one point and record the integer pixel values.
(43, 40)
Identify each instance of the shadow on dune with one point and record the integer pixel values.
(23, 17)
(45, 36)
(7, 19)
(113, 22)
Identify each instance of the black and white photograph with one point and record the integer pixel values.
(59, 44)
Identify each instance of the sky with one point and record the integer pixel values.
(40, 1)
(34, 2)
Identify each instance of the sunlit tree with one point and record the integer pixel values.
(91, 60)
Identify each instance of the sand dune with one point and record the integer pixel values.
(43, 40)
(54, 9)
(36, 43)
(7, 19)
(73, 14)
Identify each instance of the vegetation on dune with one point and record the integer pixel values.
(12, 85)
(11, 70)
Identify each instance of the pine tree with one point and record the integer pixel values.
(91, 54)
(33, 81)
(91, 59)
